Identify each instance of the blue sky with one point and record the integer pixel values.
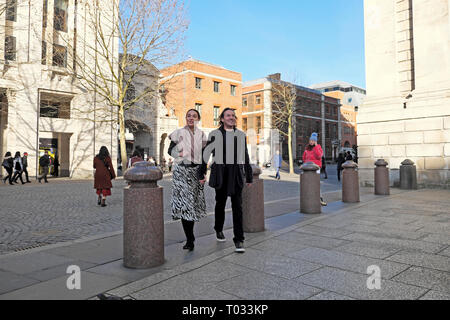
(311, 40)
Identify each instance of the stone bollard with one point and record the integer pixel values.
(408, 175)
(381, 178)
(350, 182)
(253, 203)
(143, 221)
(310, 188)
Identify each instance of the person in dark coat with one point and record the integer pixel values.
(227, 174)
(25, 166)
(340, 162)
(104, 173)
(324, 167)
(44, 162)
(348, 156)
(18, 168)
(8, 164)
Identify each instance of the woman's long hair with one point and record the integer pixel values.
(17, 155)
(103, 154)
(8, 154)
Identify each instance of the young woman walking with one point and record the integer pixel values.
(188, 198)
(104, 173)
(18, 168)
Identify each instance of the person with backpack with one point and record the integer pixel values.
(44, 163)
(18, 168)
(8, 164)
(104, 173)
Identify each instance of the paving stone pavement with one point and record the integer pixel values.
(36, 214)
(325, 258)
(316, 257)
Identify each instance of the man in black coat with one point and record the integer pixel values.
(25, 166)
(44, 162)
(230, 159)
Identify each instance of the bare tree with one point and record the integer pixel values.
(284, 97)
(147, 33)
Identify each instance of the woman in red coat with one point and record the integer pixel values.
(104, 173)
(313, 153)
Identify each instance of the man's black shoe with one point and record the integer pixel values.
(220, 237)
(239, 247)
(189, 246)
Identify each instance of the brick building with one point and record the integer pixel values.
(209, 88)
(315, 112)
(351, 98)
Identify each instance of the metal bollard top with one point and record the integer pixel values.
(256, 170)
(350, 164)
(310, 166)
(143, 172)
(408, 162)
(381, 163)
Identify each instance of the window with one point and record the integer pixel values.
(198, 83)
(216, 115)
(52, 108)
(327, 130)
(198, 107)
(216, 86)
(258, 99)
(11, 10)
(59, 56)
(244, 102)
(244, 124)
(349, 100)
(44, 14)
(317, 126)
(44, 53)
(328, 110)
(233, 90)
(60, 15)
(258, 124)
(10, 48)
(335, 135)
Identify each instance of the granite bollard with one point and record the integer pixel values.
(143, 220)
(350, 182)
(253, 203)
(310, 188)
(408, 175)
(381, 178)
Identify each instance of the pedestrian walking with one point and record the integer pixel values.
(56, 167)
(188, 198)
(44, 162)
(277, 161)
(8, 164)
(170, 164)
(136, 157)
(18, 168)
(314, 153)
(348, 156)
(227, 174)
(340, 162)
(25, 166)
(324, 167)
(104, 173)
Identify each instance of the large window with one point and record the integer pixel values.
(60, 15)
(59, 56)
(11, 10)
(216, 115)
(198, 107)
(327, 130)
(55, 108)
(258, 99)
(244, 102)
(10, 48)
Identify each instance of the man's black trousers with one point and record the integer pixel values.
(236, 204)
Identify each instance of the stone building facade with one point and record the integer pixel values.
(43, 106)
(315, 112)
(406, 113)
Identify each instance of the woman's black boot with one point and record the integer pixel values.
(189, 246)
